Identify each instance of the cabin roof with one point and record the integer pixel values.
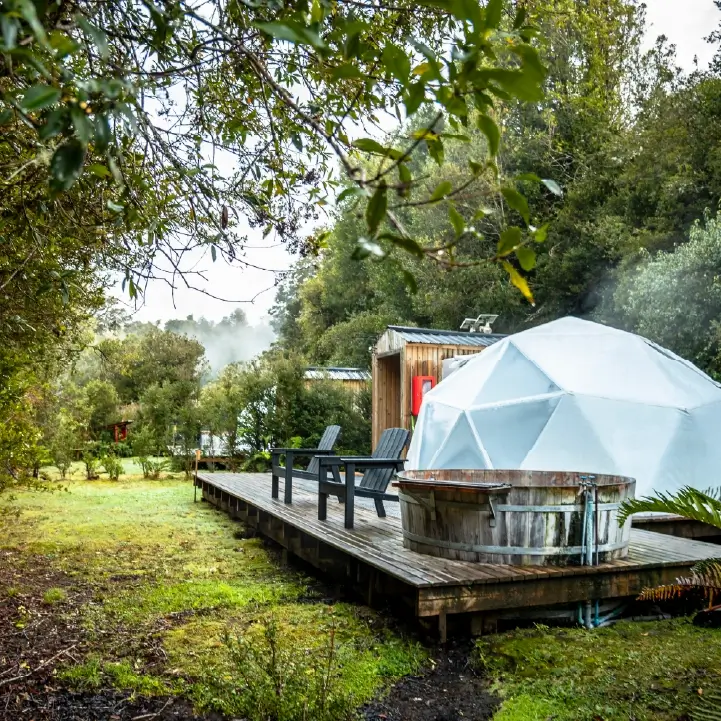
(434, 336)
(336, 373)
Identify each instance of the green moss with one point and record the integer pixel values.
(85, 676)
(645, 671)
(54, 595)
(92, 674)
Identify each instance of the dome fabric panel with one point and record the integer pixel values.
(573, 395)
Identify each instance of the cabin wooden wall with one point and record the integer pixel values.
(393, 369)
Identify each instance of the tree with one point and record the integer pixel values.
(674, 298)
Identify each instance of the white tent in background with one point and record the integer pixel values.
(572, 395)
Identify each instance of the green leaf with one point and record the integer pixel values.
(213, 253)
(410, 281)
(404, 242)
(406, 179)
(520, 18)
(5, 116)
(435, 150)
(55, 123)
(397, 62)
(526, 257)
(99, 170)
(347, 70)
(414, 96)
(352, 192)
(95, 35)
(516, 201)
(115, 207)
(459, 225)
(519, 281)
(553, 186)
(441, 190)
(488, 127)
(66, 165)
(540, 234)
(368, 145)
(62, 44)
(510, 239)
(81, 124)
(293, 32)
(29, 13)
(476, 168)
(530, 177)
(493, 13)
(10, 27)
(376, 209)
(40, 96)
(102, 133)
(519, 84)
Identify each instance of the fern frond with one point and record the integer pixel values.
(710, 569)
(708, 707)
(705, 577)
(688, 502)
(713, 492)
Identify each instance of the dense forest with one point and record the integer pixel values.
(635, 145)
(540, 163)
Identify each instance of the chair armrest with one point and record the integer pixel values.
(301, 451)
(361, 462)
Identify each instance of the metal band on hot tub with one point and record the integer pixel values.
(510, 508)
(507, 550)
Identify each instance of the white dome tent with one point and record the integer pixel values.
(572, 395)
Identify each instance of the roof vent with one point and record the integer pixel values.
(482, 324)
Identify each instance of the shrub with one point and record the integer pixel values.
(113, 466)
(283, 681)
(152, 468)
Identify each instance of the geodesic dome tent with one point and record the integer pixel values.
(572, 395)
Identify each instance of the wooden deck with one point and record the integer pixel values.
(371, 556)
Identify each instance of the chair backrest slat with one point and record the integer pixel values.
(326, 443)
(390, 445)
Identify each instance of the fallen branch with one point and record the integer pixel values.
(35, 670)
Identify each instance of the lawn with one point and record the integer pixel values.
(171, 598)
(133, 586)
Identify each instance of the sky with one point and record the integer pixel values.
(684, 22)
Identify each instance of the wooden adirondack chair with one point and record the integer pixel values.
(325, 447)
(379, 470)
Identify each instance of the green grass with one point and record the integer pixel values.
(54, 595)
(167, 578)
(643, 671)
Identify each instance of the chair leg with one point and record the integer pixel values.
(274, 486)
(380, 508)
(322, 506)
(349, 494)
(288, 493)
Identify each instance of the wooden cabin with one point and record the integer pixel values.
(354, 379)
(402, 353)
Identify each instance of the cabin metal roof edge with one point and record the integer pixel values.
(437, 336)
(336, 373)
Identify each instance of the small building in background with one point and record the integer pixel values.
(119, 430)
(408, 361)
(354, 379)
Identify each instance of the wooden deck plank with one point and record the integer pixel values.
(446, 585)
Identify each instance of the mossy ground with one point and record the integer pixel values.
(162, 580)
(642, 671)
(155, 582)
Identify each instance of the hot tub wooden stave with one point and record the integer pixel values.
(514, 517)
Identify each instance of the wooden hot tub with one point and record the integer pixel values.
(514, 517)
